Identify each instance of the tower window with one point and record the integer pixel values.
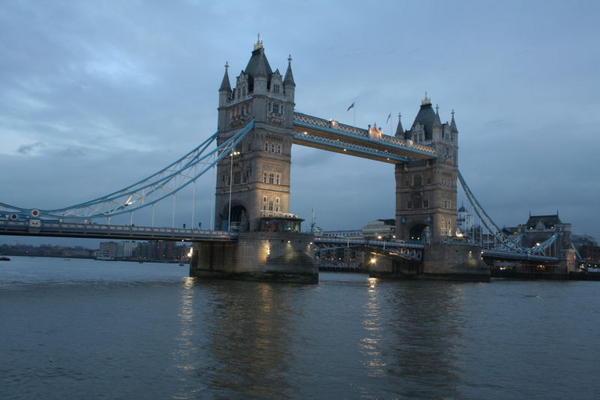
(271, 178)
(275, 88)
(277, 179)
(417, 180)
(265, 177)
(275, 108)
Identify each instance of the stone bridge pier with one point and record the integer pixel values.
(258, 256)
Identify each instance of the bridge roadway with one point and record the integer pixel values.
(35, 227)
(105, 231)
(409, 251)
(333, 136)
(518, 256)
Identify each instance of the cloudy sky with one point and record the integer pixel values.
(98, 94)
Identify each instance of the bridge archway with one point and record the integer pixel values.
(420, 233)
(239, 218)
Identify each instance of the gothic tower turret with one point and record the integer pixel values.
(426, 189)
(257, 175)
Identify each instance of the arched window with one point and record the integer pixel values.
(417, 180)
(277, 204)
(270, 205)
(277, 179)
(264, 177)
(264, 206)
(271, 178)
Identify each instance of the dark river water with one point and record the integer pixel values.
(86, 329)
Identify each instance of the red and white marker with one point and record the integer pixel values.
(35, 212)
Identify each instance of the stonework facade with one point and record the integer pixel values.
(426, 189)
(257, 174)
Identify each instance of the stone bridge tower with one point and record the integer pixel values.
(426, 189)
(257, 175)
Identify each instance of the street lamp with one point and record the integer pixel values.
(233, 154)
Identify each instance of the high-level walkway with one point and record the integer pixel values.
(333, 136)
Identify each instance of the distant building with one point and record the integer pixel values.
(465, 221)
(125, 249)
(107, 251)
(380, 229)
(539, 228)
(590, 253)
(160, 250)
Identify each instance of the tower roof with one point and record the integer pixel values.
(289, 77)
(453, 124)
(258, 65)
(225, 85)
(399, 128)
(547, 221)
(426, 117)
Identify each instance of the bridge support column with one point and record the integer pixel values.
(454, 262)
(257, 256)
(440, 261)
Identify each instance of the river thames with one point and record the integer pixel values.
(86, 329)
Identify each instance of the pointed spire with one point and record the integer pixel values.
(453, 123)
(225, 85)
(399, 128)
(259, 43)
(437, 115)
(289, 77)
(426, 101)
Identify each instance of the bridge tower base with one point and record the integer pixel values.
(454, 262)
(442, 261)
(257, 256)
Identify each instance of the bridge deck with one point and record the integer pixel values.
(340, 138)
(370, 243)
(515, 256)
(123, 232)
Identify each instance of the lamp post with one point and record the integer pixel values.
(233, 153)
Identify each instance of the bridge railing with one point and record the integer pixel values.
(347, 146)
(53, 228)
(364, 242)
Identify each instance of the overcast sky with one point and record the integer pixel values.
(98, 94)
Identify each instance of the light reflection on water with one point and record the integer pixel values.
(370, 345)
(127, 330)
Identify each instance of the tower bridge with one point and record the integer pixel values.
(256, 236)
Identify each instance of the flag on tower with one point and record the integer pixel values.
(351, 106)
(388, 118)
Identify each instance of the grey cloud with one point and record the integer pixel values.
(28, 148)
